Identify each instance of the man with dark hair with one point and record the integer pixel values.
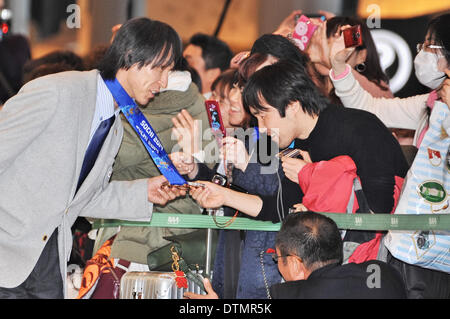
(287, 103)
(59, 137)
(309, 256)
(209, 56)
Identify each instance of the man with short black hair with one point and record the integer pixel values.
(309, 256)
(209, 56)
(287, 103)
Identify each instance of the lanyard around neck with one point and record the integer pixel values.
(145, 131)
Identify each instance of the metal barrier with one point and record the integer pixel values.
(437, 222)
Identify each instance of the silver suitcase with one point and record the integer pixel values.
(154, 285)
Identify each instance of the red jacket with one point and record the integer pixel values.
(327, 186)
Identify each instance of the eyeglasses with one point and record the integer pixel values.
(275, 257)
(421, 46)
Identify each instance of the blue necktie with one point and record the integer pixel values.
(94, 149)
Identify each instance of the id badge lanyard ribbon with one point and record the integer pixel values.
(145, 131)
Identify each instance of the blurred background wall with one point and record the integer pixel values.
(81, 25)
(44, 21)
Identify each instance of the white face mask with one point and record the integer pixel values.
(426, 65)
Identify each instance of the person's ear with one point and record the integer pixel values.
(298, 270)
(293, 108)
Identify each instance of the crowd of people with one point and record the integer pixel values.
(70, 155)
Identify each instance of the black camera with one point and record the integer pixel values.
(5, 23)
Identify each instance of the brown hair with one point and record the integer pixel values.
(249, 65)
(224, 82)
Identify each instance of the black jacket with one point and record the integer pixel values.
(350, 281)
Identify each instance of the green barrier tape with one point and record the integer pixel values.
(344, 221)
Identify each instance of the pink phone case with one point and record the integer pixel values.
(303, 32)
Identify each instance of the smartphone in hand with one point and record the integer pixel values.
(215, 118)
(303, 32)
(290, 152)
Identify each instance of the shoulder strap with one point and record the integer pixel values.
(362, 200)
(360, 197)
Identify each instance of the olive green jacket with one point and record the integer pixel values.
(134, 162)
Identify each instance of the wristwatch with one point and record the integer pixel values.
(222, 180)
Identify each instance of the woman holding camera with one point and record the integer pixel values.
(431, 64)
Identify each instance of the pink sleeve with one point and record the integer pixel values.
(342, 75)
